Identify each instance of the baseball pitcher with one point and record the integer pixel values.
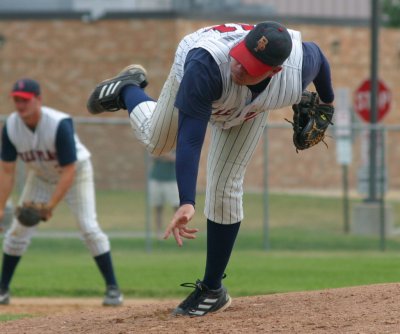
(227, 76)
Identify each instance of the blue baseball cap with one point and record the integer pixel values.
(26, 88)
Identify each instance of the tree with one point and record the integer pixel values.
(391, 13)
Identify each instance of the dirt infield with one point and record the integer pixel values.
(366, 309)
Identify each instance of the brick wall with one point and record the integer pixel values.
(69, 57)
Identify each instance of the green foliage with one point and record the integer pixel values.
(391, 11)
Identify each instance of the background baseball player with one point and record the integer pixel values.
(163, 189)
(58, 167)
(228, 76)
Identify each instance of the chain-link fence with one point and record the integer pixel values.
(284, 189)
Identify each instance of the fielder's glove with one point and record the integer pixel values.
(310, 121)
(31, 213)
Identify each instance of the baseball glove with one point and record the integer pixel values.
(31, 213)
(310, 121)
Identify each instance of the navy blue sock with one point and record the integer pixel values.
(133, 95)
(104, 262)
(7, 270)
(220, 241)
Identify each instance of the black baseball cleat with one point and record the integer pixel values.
(106, 95)
(113, 296)
(203, 300)
(4, 297)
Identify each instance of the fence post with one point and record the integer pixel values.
(266, 192)
(149, 216)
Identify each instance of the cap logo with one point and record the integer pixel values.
(261, 44)
(21, 84)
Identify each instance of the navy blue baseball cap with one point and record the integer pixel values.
(26, 88)
(268, 45)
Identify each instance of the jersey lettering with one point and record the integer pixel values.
(227, 28)
(30, 156)
(250, 115)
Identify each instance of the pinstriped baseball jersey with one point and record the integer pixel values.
(235, 128)
(37, 148)
(236, 105)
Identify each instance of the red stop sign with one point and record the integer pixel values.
(362, 100)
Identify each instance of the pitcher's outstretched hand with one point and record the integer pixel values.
(178, 227)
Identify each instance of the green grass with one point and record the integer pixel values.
(64, 268)
(9, 317)
(308, 250)
(295, 221)
(122, 210)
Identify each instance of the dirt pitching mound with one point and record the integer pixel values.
(365, 309)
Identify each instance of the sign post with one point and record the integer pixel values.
(342, 121)
(372, 216)
(368, 217)
(362, 107)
